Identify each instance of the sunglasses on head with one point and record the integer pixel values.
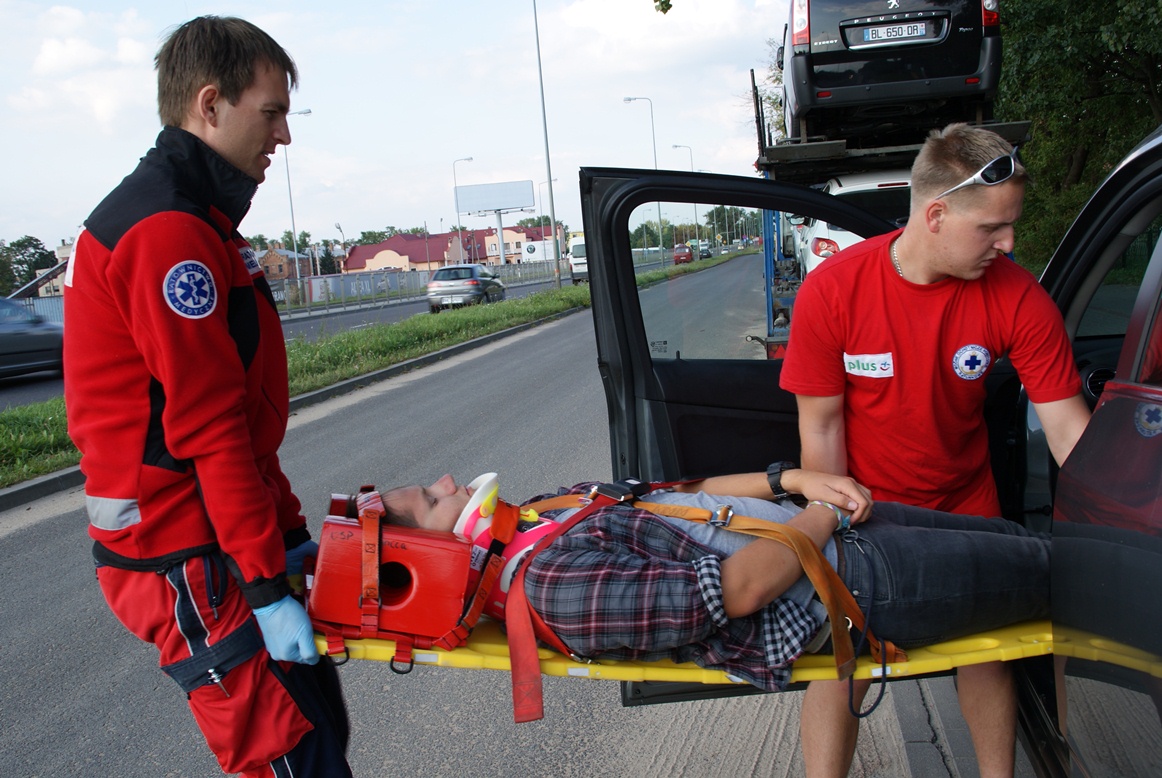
(996, 172)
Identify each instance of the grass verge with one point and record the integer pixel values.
(34, 438)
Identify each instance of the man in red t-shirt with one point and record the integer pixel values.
(891, 341)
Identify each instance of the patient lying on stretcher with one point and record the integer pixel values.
(627, 583)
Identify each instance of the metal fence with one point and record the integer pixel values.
(320, 294)
(48, 308)
(312, 294)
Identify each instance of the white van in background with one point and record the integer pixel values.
(578, 263)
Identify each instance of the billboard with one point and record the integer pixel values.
(486, 198)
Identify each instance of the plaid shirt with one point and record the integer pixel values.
(624, 584)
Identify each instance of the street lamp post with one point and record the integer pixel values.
(713, 213)
(697, 231)
(654, 137)
(548, 164)
(342, 247)
(553, 227)
(456, 197)
(427, 251)
(291, 199)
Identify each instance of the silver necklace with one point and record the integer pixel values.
(896, 260)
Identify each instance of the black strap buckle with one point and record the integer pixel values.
(625, 489)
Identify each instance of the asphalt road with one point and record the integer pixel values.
(38, 387)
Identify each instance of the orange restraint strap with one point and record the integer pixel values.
(830, 587)
(525, 626)
(371, 512)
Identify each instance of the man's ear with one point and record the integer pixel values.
(934, 215)
(205, 107)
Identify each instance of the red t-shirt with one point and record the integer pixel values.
(910, 361)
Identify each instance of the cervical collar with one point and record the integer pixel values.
(475, 523)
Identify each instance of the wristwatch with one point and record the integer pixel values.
(775, 478)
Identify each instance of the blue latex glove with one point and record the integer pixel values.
(295, 557)
(287, 632)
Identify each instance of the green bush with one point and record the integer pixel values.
(34, 440)
(314, 365)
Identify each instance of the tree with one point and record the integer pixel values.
(646, 235)
(371, 237)
(542, 221)
(7, 277)
(289, 243)
(770, 89)
(1089, 78)
(25, 256)
(259, 242)
(327, 260)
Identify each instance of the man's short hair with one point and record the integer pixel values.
(223, 51)
(951, 155)
(395, 516)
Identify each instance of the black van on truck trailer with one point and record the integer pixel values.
(884, 72)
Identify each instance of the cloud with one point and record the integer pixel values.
(59, 56)
(71, 67)
(133, 52)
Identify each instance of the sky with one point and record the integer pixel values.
(397, 91)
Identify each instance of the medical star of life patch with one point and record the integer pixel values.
(189, 290)
(971, 362)
(1148, 419)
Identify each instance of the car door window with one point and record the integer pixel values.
(1108, 311)
(1150, 370)
(717, 309)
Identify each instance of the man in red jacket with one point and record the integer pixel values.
(176, 388)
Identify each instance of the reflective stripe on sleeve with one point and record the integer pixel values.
(112, 514)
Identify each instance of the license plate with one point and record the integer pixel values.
(453, 301)
(895, 32)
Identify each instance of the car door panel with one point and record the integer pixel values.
(690, 391)
(1101, 713)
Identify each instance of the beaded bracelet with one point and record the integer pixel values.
(844, 521)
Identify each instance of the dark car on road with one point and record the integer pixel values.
(883, 72)
(686, 399)
(28, 343)
(455, 286)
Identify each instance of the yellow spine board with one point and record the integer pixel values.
(487, 649)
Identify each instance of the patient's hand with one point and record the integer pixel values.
(839, 490)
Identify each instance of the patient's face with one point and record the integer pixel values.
(434, 507)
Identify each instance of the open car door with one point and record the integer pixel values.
(690, 388)
(1099, 711)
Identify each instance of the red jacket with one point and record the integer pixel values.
(175, 373)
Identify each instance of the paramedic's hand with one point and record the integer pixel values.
(287, 632)
(296, 555)
(839, 490)
(294, 564)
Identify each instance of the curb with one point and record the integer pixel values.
(46, 485)
(42, 486)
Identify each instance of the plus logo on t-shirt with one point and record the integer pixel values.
(869, 365)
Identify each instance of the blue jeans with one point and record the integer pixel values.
(937, 576)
